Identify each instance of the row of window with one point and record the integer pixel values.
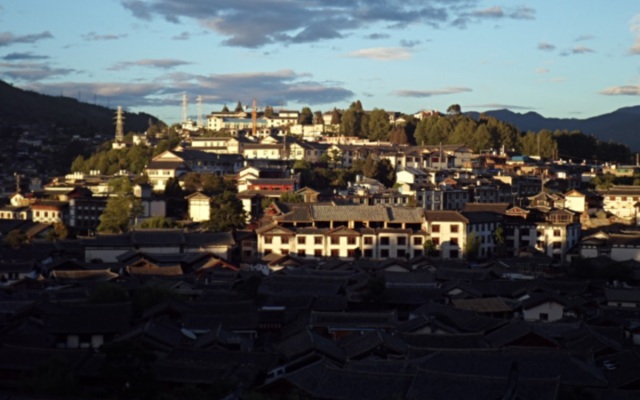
(352, 253)
(367, 240)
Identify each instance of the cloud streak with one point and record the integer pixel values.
(8, 38)
(163, 63)
(544, 46)
(94, 37)
(269, 88)
(32, 71)
(23, 56)
(430, 93)
(382, 53)
(626, 90)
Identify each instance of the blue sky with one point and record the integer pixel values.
(558, 58)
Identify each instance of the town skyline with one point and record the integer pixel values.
(556, 60)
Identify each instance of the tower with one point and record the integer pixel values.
(184, 109)
(119, 125)
(199, 111)
(254, 119)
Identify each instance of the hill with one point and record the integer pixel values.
(22, 106)
(621, 126)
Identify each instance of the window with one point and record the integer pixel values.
(268, 240)
(544, 317)
(317, 240)
(335, 253)
(301, 253)
(284, 252)
(436, 241)
(351, 253)
(557, 233)
(317, 253)
(417, 241)
(335, 240)
(368, 240)
(435, 228)
(454, 228)
(384, 240)
(302, 239)
(453, 241)
(284, 240)
(368, 253)
(384, 253)
(402, 241)
(401, 253)
(351, 240)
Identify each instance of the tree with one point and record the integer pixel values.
(379, 125)
(119, 214)
(350, 123)
(498, 238)
(16, 239)
(120, 185)
(318, 118)
(306, 116)
(157, 223)
(430, 248)
(336, 117)
(454, 109)
(59, 232)
(227, 213)
(472, 246)
(173, 189)
(291, 197)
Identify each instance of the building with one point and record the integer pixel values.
(622, 201)
(344, 231)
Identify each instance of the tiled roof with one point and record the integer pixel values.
(445, 216)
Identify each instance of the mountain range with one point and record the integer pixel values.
(620, 126)
(26, 107)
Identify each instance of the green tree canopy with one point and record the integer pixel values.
(379, 125)
(119, 214)
(306, 116)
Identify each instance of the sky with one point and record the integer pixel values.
(565, 59)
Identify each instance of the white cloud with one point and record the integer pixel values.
(581, 50)
(626, 90)
(382, 53)
(542, 71)
(432, 92)
(546, 46)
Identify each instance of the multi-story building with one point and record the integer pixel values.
(177, 162)
(622, 201)
(345, 231)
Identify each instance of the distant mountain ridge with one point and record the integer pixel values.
(23, 106)
(621, 126)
